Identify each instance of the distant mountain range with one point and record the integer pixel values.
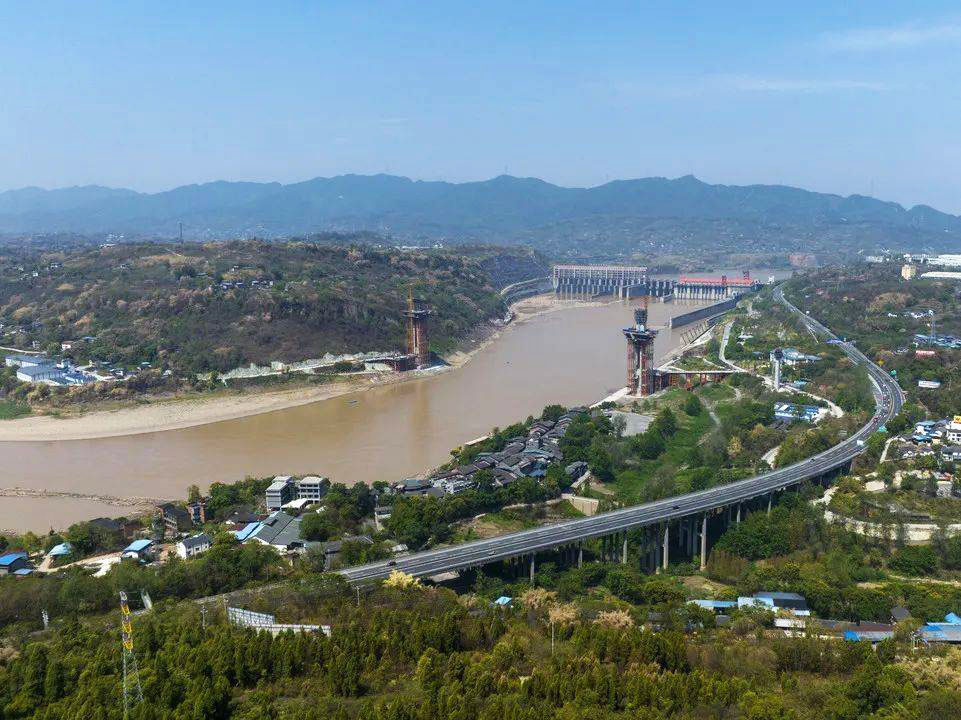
(625, 216)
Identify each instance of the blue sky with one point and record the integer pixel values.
(154, 95)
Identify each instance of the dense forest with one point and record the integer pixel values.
(167, 315)
(216, 306)
(600, 642)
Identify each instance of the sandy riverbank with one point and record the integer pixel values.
(192, 411)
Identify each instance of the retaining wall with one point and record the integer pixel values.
(702, 313)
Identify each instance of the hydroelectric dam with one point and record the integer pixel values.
(625, 281)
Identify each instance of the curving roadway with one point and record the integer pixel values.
(888, 401)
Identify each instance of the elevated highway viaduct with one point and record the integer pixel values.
(686, 518)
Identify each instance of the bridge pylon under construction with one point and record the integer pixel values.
(417, 313)
(640, 354)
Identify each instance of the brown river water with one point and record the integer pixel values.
(571, 356)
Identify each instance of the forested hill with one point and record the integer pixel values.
(194, 307)
(618, 217)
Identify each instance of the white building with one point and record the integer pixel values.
(39, 373)
(947, 260)
(193, 545)
(794, 357)
(25, 361)
(953, 431)
(312, 488)
(941, 275)
(280, 492)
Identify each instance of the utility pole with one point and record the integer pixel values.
(132, 693)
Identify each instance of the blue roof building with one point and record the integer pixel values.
(138, 549)
(61, 550)
(11, 562)
(871, 636)
(793, 356)
(247, 531)
(807, 413)
(714, 604)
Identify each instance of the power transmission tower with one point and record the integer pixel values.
(132, 694)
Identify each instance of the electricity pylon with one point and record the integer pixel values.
(132, 694)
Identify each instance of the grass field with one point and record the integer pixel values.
(10, 409)
(635, 485)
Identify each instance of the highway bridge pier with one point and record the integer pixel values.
(651, 548)
(417, 313)
(640, 354)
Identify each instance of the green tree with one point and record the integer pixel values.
(915, 560)
(692, 405)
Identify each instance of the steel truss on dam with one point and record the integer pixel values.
(620, 280)
(684, 523)
(624, 281)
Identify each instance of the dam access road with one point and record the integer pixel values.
(693, 508)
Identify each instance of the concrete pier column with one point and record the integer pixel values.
(624, 551)
(665, 558)
(580, 555)
(738, 513)
(704, 542)
(532, 569)
(769, 496)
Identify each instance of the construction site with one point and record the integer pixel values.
(643, 377)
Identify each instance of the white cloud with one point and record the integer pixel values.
(885, 38)
(751, 83)
(726, 84)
